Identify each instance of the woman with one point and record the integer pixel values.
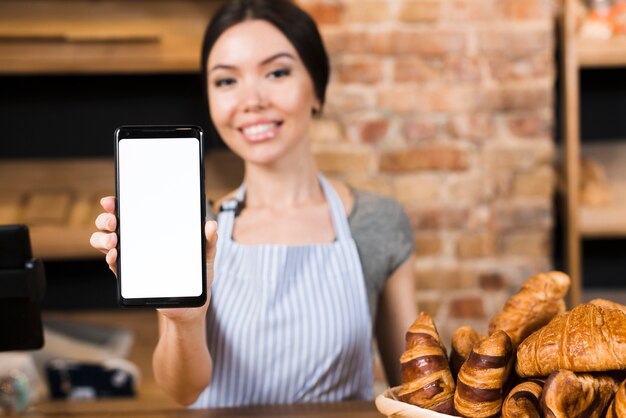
(303, 264)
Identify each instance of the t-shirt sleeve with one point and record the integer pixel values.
(384, 238)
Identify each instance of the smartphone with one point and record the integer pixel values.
(160, 208)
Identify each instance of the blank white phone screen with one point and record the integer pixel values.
(160, 217)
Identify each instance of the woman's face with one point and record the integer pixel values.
(260, 93)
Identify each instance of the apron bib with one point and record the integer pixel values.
(288, 323)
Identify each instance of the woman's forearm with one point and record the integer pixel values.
(181, 362)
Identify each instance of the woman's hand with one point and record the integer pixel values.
(105, 240)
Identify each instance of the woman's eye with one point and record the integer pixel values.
(223, 82)
(283, 72)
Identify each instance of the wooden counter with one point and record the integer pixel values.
(116, 409)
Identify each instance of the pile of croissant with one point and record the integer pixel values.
(538, 360)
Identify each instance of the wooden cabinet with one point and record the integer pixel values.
(88, 36)
(581, 222)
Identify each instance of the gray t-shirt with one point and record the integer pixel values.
(384, 239)
(383, 236)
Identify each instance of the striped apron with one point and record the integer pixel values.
(288, 323)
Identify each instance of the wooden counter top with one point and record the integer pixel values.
(117, 409)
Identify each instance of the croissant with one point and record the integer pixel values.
(617, 408)
(570, 395)
(426, 378)
(607, 304)
(480, 384)
(523, 400)
(463, 340)
(586, 339)
(537, 302)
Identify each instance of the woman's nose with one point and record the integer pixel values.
(254, 98)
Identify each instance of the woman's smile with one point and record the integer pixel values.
(260, 131)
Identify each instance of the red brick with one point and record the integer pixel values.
(367, 131)
(539, 65)
(468, 10)
(424, 158)
(477, 245)
(528, 243)
(472, 126)
(531, 125)
(427, 244)
(413, 188)
(365, 71)
(462, 69)
(539, 182)
(432, 217)
(343, 161)
(520, 97)
(431, 307)
(492, 281)
(323, 13)
(526, 9)
(414, 69)
(420, 11)
(508, 216)
(403, 99)
(419, 129)
(366, 11)
(425, 42)
(342, 100)
(446, 99)
(467, 307)
(437, 278)
(515, 41)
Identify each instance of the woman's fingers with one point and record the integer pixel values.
(103, 241)
(111, 259)
(106, 222)
(108, 203)
(210, 231)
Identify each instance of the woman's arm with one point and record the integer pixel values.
(181, 362)
(397, 310)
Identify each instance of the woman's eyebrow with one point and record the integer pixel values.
(264, 62)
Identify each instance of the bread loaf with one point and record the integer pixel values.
(617, 408)
(523, 400)
(463, 340)
(586, 339)
(426, 378)
(570, 395)
(482, 378)
(537, 302)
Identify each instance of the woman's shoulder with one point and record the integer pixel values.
(368, 205)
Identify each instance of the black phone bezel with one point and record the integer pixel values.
(158, 131)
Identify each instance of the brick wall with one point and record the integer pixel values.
(447, 105)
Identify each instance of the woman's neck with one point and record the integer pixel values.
(280, 187)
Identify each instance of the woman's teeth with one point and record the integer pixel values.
(258, 129)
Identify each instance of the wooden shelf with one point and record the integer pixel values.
(108, 36)
(59, 199)
(609, 221)
(599, 53)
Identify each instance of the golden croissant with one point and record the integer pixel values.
(426, 378)
(483, 377)
(586, 339)
(577, 395)
(537, 302)
(523, 400)
(617, 409)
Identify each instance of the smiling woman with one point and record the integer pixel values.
(306, 268)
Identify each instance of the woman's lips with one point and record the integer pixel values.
(260, 131)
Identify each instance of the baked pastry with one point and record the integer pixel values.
(483, 377)
(523, 400)
(608, 304)
(426, 378)
(577, 395)
(586, 339)
(537, 302)
(617, 408)
(463, 340)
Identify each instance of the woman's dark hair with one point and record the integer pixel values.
(297, 26)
